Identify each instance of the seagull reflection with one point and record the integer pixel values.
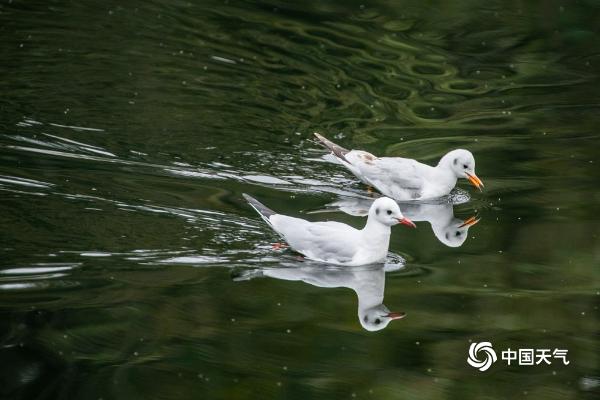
(368, 282)
(448, 229)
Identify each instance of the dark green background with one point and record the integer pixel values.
(118, 244)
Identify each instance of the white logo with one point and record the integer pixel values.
(525, 356)
(490, 355)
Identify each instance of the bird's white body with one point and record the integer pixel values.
(400, 178)
(404, 178)
(335, 242)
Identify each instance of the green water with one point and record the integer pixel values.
(131, 267)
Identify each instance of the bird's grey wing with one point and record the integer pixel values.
(394, 175)
(332, 241)
(317, 240)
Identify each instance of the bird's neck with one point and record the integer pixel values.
(440, 216)
(370, 290)
(446, 161)
(375, 238)
(445, 173)
(375, 231)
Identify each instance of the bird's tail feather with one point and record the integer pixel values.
(337, 150)
(264, 211)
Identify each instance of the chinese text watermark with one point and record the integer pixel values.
(482, 355)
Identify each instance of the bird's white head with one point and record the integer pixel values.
(387, 212)
(462, 163)
(378, 317)
(455, 233)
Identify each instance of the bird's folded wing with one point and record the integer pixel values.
(400, 172)
(332, 241)
(318, 240)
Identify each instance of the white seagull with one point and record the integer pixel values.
(335, 242)
(406, 179)
(367, 282)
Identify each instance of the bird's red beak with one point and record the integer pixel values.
(470, 222)
(407, 222)
(475, 181)
(396, 315)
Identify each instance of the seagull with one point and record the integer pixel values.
(367, 282)
(403, 178)
(335, 242)
(448, 229)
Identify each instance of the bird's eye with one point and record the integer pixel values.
(466, 166)
(366, 319)
(455, 161)
(389, 212)
(377, 211)
(377, 321)
(458, 233)
(447, 236)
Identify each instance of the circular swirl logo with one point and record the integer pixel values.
(488, 352)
